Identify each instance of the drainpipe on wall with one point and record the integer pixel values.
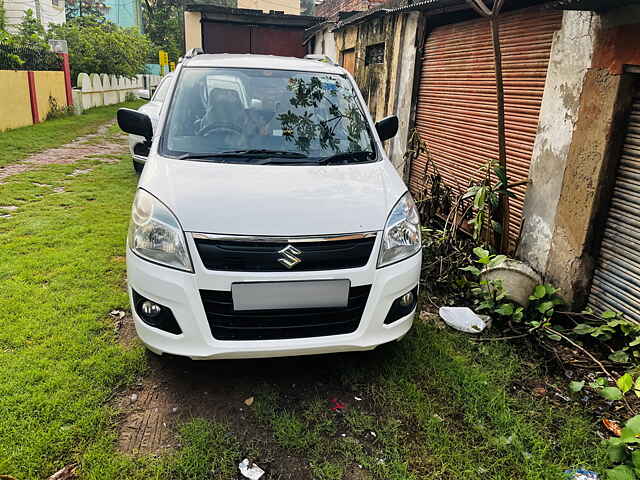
(35, 116)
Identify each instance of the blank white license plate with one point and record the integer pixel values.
(282, 295)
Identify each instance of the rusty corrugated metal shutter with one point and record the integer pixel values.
(456, 108)
(616, 281)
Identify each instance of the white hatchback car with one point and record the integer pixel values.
(268, 225)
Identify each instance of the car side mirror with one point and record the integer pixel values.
(387, 127)
(136, 123)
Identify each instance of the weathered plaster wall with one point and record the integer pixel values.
(192, 30)
(401, 101)
(588, 182)
(387, 86)
(325, 43)
(578, 146)
(373, 79)
(571, 55)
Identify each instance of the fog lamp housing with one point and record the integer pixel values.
(402, 306)
(154, 314)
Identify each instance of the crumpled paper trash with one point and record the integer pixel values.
(250, 470)
(463, 319)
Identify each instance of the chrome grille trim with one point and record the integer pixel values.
(284, 240)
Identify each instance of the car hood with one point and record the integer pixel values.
(273, 199)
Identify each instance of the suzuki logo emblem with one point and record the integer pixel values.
(289, 258)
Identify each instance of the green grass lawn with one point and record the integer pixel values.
(20, 142)
(440, 407)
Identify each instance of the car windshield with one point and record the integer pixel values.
(266, 116)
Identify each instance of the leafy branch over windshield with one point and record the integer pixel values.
(319, 112)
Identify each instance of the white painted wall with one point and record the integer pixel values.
(96, 90)
(45, 10)
(325, 43)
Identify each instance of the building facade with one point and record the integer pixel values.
(289, 7)
(46, 11)
(124, 13)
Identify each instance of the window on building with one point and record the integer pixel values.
(374, 54)
(55, 3)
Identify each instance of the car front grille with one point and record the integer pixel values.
(228, 324)
(263, 254)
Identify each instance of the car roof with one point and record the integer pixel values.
(272, 62)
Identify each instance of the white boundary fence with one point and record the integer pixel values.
(96, 90)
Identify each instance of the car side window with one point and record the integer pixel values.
(161, 91)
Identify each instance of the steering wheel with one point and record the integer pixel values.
(222, 129)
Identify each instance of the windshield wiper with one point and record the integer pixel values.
(348, 157)
(251, 153)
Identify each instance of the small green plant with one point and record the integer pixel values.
(490, 295)
(486, 200)
(612, 328)
(626, 384)
(623, 452)
(58, 111)
(130, 97)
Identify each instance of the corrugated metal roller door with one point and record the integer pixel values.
(456, 110)
(616, 282)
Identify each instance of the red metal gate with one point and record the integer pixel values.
(456, 108)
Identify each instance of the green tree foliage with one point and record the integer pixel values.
(31, 32)
(162, 20)
(99, 46)
(163, 23)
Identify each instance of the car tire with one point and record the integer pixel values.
(138, 167)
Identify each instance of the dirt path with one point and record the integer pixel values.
(179, 389)
(92, 144)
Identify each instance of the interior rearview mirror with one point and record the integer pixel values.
(136, 123)
(387, 127)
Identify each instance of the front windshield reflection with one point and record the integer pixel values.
(216, 110)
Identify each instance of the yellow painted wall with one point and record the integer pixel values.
(49, 83)
(15, 106)
(192, 30)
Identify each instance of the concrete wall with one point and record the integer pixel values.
(45, 10)
(49, 84)
(571, 53)
(96, 90)
(588, 182)
(586, 98)
(325, 43)
(192, 30)
(15, 108)
(291, 7)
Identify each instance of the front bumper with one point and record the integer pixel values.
(180, 291)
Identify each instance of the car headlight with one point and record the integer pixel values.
(401, 237)
(156, 235)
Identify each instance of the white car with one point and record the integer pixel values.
(273, 225)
